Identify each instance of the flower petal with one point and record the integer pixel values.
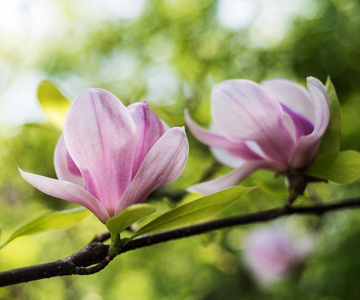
(164, 163)
(149, 129)
(301, 124)
(65, 167)
(226, 158)
(67, 191)
(234, 177)
(291, 94)
(100, 136)
(237, 149)
(243, 110)
(307, 146)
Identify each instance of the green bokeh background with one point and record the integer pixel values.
(181, 44)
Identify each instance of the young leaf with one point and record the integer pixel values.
(128, 216)
(195, 211)
(342, 167)
(50, 221)
(330, 141)
(53, 102)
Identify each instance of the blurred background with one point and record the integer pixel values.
(170, 53)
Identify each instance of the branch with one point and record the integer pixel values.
(262, 216)
(96, 256)
(92, 254)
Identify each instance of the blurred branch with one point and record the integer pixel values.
(101, 237)
(97, 255)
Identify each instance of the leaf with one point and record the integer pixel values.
(330, 141)
(271, 188)
(50, 221)
(195, 211)
(53, 102)
(128, 217)
(342, 167)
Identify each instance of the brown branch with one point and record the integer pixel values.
(101, 237)
(92, 254)
(96, 256)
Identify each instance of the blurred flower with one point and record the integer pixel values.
(276, 125)
(110, 157)
(270, 253)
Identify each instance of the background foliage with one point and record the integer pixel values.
(170, 54)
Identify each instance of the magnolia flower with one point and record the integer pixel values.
(111, 156)
(276, 125)
(270, 253)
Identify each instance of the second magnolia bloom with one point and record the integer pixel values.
(111, 156)
(276, 125)
(271, 252)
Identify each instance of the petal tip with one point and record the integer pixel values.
(314, 81)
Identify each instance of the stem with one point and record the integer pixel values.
(115, 245)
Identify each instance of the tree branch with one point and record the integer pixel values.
(99, 255)
(92, 254)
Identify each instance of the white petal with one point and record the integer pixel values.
(293, 95)
(226, 158)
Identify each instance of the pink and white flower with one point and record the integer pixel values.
(276, 125)
(271, 252)
(111, 156)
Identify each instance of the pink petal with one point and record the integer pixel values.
(243, 110)
(234, 177)
(164, 163)
(307, 146)
(301, 124)
(100, 136)
(149, 129)
(237, 149)
(291, 94)
(65, 167)
(67, 191)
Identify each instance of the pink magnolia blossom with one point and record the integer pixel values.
(111, 156)
(275, 125)
(270, 253)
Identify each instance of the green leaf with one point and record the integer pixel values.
(53, 102)
(195, 211)
(330, 141)
(271, 188)
(342, 167)
(50, 221)
(128, 217)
